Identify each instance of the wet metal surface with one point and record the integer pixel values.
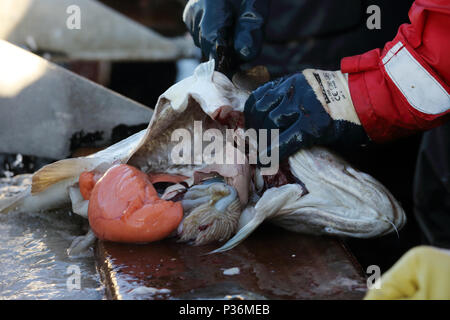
(270, 264)
(33, 253)
(53, 106)
(44, 27)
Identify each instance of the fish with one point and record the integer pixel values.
(315, 192)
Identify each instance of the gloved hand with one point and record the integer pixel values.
(422, 273)
(313, 107)
(227, 23)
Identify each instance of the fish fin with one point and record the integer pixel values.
(268, 206)
(81, 244)
(58, 171)
(10, 203)
(241, 235)
(205, 70)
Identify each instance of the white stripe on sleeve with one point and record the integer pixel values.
(418, 86)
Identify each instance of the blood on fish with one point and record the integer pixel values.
(226, 116)
(282, 177)
(125, 207)
(203, 227)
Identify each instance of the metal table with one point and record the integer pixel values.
(273, 264)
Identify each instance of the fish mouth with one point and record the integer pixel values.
(211, 212)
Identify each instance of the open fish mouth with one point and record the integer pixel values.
(320, 194)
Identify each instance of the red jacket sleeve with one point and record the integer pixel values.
(404, 88)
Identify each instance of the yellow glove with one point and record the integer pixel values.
(423, 273)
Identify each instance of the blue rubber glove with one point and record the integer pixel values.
(310, 108)
(227, 23)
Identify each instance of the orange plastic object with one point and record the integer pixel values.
(124, 207)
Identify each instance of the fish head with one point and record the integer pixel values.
(186, 116)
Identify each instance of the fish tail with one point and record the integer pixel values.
(12, 203)
(58, 171)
